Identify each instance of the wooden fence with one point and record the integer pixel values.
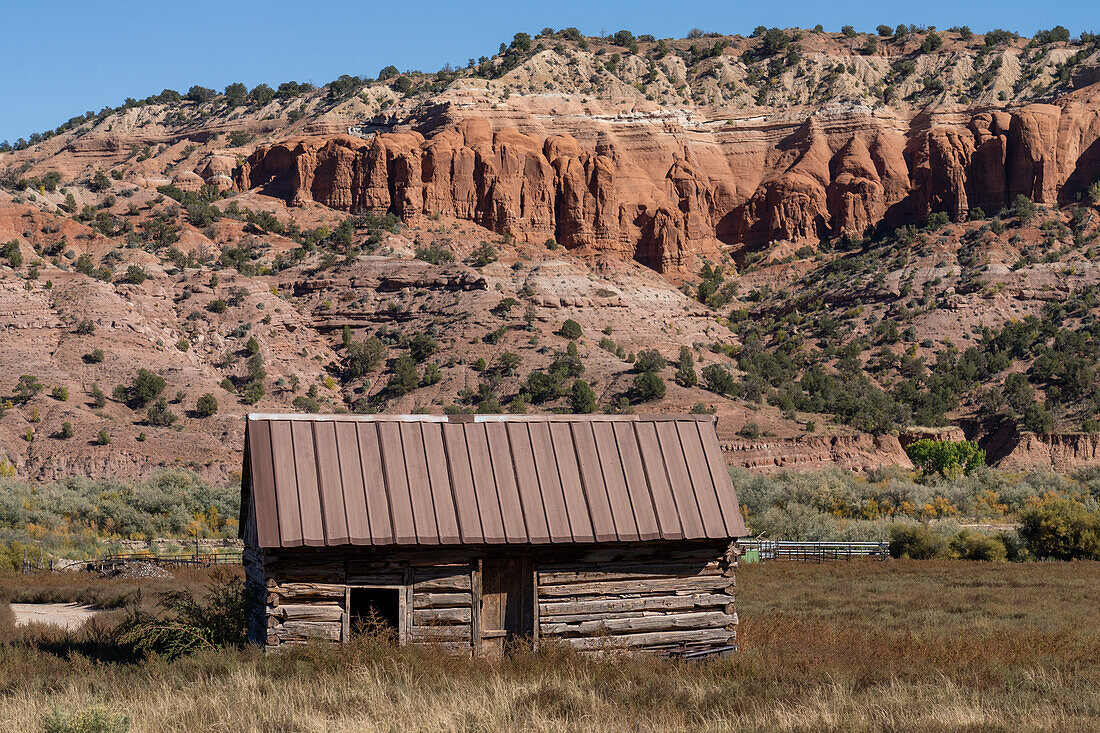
(175, 560)
(813, 551)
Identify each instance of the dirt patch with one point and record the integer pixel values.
(66, 615)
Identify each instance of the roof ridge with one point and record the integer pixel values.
(475, 418)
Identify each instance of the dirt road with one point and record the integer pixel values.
(66, 615)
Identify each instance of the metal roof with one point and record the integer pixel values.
(330, 480)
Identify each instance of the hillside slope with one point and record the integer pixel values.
(818, 235)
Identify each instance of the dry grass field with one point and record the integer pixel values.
(943, 645)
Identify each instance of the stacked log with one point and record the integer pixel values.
(443, 607)
(681, 604)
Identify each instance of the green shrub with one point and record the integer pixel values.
(970, 545)
(145, 388)
(916, 542)
(581, 398)
(134, 275)
(1061, 530)
(647, 387)
(159, 415)
(362, 357)
(649, 360)
(12, 254)
(945, 457)
(422, 347)
(571, 330)
(61, 394)
(188, 624)
(435, 254)
(404, 378)
(718, 380)
(206, 405)
(483, 255)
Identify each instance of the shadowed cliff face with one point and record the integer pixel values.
(663, 195)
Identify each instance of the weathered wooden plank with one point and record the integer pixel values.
(635, 624)
(452, 647)
(628, 572)
(639, 553)
(442, 583)
(441, 616)
(627, 605)
(384, 578)
(439, 633)
(309, 612)
(288, 591)
(301, 630)
(651, 586)
(654, 640)
(441, 600)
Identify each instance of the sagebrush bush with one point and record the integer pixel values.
(971, 545)
(1061, 530)
(916, 542)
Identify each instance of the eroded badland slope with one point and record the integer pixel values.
(831, 241)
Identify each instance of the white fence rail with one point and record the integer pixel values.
(815, 551)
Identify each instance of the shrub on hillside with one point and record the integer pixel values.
(647, 387)
(571, 329)
(206, 405)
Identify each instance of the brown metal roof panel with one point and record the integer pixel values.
(637, 486)
(504, 473)
(701, 484)
(576, 505)
(440, 484)
(592, 479)
(622, 510)
(309, 494)
(723, 484)
(397, 483)
(462, 483)
(330, 484)
(351, 482)
(679, 479)
(416, 468)
(262, 475)
(527, 482)
(546, 469)
(286, 484)
(668, 519)
(485, 489)
(374, 484)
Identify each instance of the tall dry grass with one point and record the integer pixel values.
(894, 646)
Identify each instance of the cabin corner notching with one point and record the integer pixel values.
(595, 531)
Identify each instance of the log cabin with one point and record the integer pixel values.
(600, 532)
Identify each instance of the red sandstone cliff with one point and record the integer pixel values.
(659, 193)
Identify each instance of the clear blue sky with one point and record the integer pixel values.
(63, 58)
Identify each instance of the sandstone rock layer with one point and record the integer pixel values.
(661, 193)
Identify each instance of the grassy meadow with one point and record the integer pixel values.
(901, 645)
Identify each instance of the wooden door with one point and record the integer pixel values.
(507, 603)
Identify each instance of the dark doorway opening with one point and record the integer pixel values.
(375, 610)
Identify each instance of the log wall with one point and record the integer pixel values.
(676, 600)
(671, 599)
